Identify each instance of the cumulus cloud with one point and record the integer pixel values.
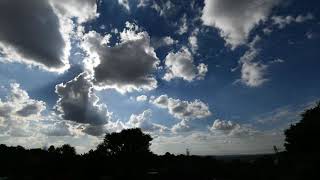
(56, 128)
(252, 71)
(39, 32)
(236, 19)
(78, 102)
(82, 10)
(30, 33)
(165, 41)
(20, 105)
(231, 128)
(182, 126)
(144, 122)
(183, 110)
(222, 125)
(193, 40)
(142, 98)
(127, 66)
(19, 111)
(181, 65)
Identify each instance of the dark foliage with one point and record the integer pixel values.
(126, 155)
(302, 137)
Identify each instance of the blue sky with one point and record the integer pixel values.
(217, 77)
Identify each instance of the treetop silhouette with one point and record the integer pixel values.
(303, 136)
(128, 141)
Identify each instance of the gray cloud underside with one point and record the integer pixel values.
(31, 29)
(77, 102)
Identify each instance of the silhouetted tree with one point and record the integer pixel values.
(302, 137)
(51, 149)
(66, 150)
(128, 141)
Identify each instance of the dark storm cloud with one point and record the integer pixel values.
(30, 29)
(78, 103)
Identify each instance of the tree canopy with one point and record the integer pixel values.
(303, 136)
(128, 141)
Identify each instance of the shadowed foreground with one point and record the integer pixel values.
(126, 155)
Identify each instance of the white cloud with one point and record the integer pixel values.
(19, 105)
(193, 41)
(142, 98)
(83, 10)
(143, 121)
(127, 66)
(183, 110)
(58, 128)
(23, 117)
(181, 127)
(180, 65)
(283, 21)
(236, 19)
(183, 25)
(232, 129)
(222, 125)
(125, 4)
(252, 71)
(252, 74)
(165, 41)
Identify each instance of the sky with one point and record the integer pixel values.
(217, 77)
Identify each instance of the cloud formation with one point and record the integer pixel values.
(222, 125)
(127, 66)
(252, 71)
(283, 21)
(165, 41)
(39, 32)
(236, 19)
(82, 10)
(142, 98)
(183, 110)
(19, 112)
(30, 33)
(144, 122)
(19, 104)
(181, 65)
(232, 129)
(77, 102)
